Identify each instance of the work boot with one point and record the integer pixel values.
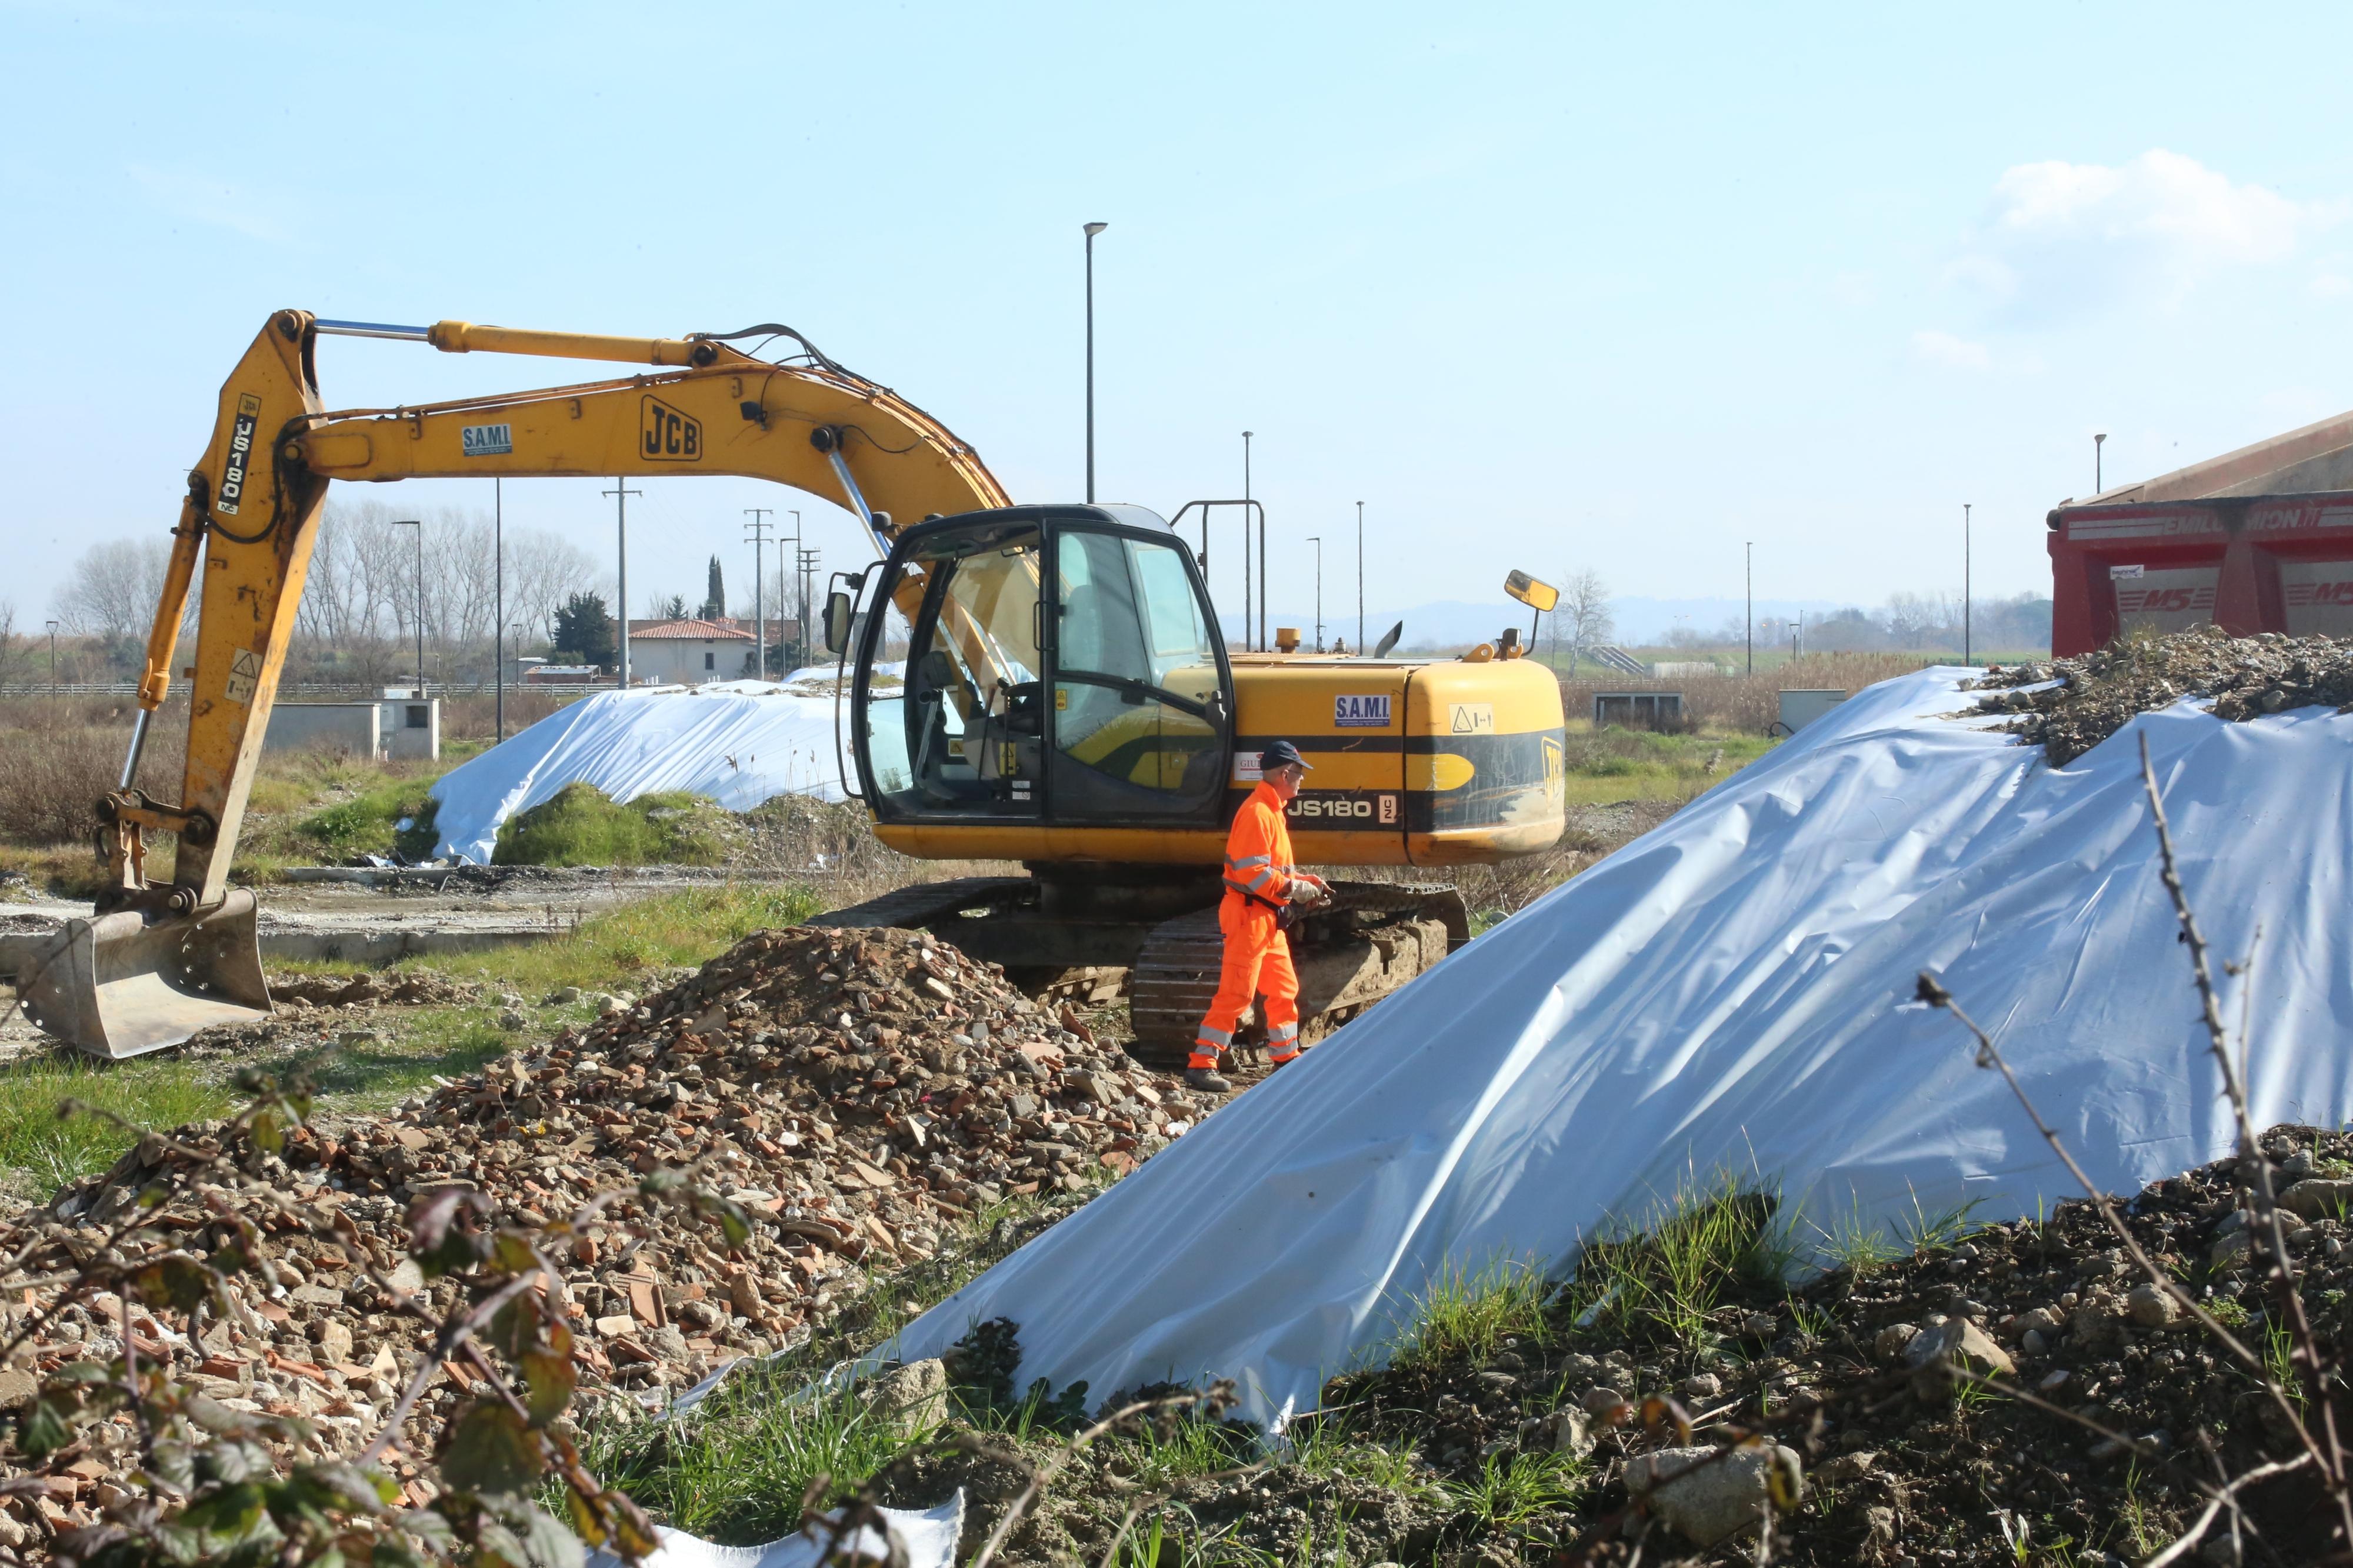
(1206, 1080)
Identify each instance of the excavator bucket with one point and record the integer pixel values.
(121, 984)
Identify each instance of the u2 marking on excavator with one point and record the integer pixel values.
(241, 449)
(667, 436)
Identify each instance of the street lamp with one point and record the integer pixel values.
(759, 527)
(1317, 540)
(2098, 441)
(1093, 229)
(1262, 584)
(1360, 579)
(417, 609)
(1751, 558)
(53, 661)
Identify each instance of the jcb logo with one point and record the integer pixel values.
(667, 436)
(1555, 770)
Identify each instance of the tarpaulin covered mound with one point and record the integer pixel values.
(740, 742)
(1733, 992)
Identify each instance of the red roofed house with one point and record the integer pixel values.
(689, 652)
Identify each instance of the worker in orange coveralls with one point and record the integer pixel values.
(1263, 887)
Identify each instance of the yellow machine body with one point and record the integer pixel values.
(1466, 769)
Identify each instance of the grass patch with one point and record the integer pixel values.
(688, 926)
(735, 1470)
(1662, 1277)
(582, 825)
(1614, 765)
(1468, 1316)
(41, 1152)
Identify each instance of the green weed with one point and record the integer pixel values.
(582, 825)
(1508, 1496)
(1665, 1274)
(1464, 1315)
(736, 1471)
(1927, 1230)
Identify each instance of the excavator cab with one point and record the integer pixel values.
(1041, 665)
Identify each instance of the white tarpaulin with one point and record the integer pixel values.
(738, 742)
(929, 1536)
(1732, 991)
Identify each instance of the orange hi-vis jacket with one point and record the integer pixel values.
(1257, 850)
(1260, 880)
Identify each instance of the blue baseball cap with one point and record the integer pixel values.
(1281, 753)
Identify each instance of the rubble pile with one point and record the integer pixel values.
(857, 1092)
(2083, 701)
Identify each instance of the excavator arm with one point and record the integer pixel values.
(163, 959)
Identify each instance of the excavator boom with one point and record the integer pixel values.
(162, 959)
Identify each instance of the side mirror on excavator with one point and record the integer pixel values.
(836, 621)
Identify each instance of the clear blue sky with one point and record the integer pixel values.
(1619, 287)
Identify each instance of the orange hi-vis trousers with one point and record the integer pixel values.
(1257, 962)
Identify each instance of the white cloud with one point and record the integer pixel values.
(2065, 238)
(1945, 350)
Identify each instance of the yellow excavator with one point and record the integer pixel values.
(1045, 684)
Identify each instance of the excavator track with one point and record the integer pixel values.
(1368, 941)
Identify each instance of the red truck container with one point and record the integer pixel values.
(2259, 540)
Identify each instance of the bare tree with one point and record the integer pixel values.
(16, 652)
(1585, 609)
(112, 590)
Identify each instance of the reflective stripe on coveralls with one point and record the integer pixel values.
(1257, 957)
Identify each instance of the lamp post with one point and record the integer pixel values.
(1093, 229)
(416, 610)
(1317, 540)
(1751, 629)
(2098, 442)
(53, 661)
(1965, 585)
(1360, 579)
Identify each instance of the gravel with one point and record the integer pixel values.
(2070, 705)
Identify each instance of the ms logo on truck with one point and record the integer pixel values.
(667, 436)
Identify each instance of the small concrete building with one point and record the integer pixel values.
(689, 652)
(398, 726)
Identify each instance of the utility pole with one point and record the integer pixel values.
(759, 527)
(1360, 579)
(1317, 540)
(53, 662)
(620, 493)
(1965, 585)
(1093, 229)
(799, 600)
(1797, 636)
(2098, 442)
(1751, 548)
(418, 607)
(808, 571)
(1262, 533)
(499, 605)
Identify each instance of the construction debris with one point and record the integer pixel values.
(2083, 701)
(855, 1092)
